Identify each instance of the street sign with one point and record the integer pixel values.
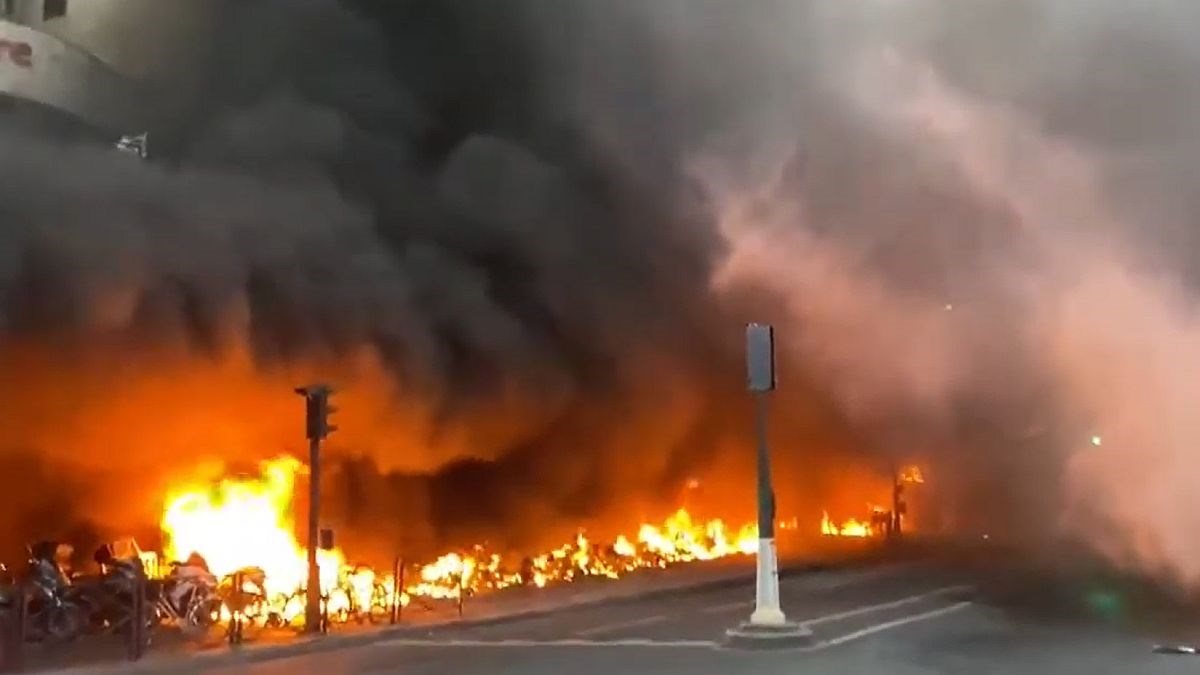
(760, 357)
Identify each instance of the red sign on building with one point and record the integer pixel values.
(19, 54)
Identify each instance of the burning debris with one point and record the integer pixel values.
(244, 523)
(881, 521)
(243, 528)
(851, 527)
(232, 557)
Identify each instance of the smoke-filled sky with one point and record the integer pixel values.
(523, 237)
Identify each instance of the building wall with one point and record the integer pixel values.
(155, 40)
(121, 64)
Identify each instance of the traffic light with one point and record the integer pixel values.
(317, 410)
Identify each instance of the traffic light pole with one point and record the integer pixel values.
(316, 427)
(312, 607)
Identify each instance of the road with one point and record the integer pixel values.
(895, 619)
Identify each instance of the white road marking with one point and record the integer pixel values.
(567, 642)
(821, 581)
(610, 627)
(887, 625)
(868, 609)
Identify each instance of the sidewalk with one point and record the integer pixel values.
(177, 656)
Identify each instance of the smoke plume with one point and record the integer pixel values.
(523, 237)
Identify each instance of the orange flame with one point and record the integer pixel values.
(850, 528)
(246, 522)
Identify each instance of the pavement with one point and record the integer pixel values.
(914, 616)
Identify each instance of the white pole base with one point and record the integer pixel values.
(767, 611)
(768, 628)
(768, 617)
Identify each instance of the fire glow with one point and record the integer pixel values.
(852, 527)
(247, 522)
(239, 524)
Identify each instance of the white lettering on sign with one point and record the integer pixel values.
(19, 54)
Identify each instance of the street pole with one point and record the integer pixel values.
(767, 610)
(768, 627)
(316, 426)
(312, 607)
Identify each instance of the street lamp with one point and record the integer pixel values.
(768, 626)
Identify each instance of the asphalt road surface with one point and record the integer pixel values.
(897, 619)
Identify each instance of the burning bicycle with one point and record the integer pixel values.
(189, 597)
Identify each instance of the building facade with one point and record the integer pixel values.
(114, 65)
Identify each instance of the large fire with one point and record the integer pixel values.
(247, 522)
(243, 523)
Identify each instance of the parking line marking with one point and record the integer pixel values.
(888, 625)
(868, 609)
(814, 584)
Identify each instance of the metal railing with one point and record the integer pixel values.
(137, 620)
(15, 623)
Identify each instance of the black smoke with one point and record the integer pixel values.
(545, 223)
(406, 181)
